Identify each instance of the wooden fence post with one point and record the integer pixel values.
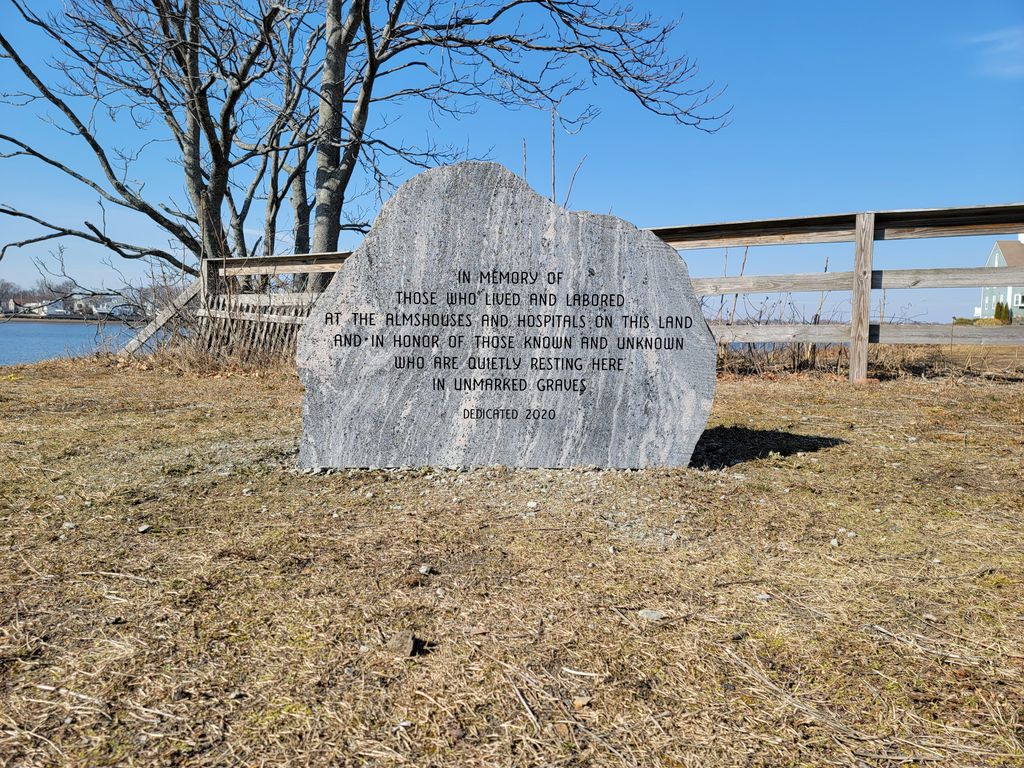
(860, 305)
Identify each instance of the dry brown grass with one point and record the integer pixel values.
(885, 361)
(253, 622)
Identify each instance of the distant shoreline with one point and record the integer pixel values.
(58, 319)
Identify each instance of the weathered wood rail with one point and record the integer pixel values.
(842, 228)
(162, 318)
(228, 309)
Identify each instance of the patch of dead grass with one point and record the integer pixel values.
(252, 623)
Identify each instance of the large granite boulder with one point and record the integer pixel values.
(479, 324)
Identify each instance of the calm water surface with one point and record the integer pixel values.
(28, 341)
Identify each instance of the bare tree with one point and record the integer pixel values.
(452, 55)
(188, 74)
(296, 104)
(8, 291)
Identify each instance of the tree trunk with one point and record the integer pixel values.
(300, 214)
(330, 187)
(327, 224)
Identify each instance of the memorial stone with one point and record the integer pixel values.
(480, 324)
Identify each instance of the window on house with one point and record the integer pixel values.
(1018, 300)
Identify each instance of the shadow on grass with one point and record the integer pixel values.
(721, 447)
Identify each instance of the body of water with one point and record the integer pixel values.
(28, 341)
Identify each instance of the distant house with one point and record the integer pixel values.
(115, 307)
(38, 308)
(1005, 253)
(86, 306)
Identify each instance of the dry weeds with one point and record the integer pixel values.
(840, 583)
(886, 361)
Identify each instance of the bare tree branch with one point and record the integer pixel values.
(257, 102)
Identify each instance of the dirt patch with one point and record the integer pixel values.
(838, 579)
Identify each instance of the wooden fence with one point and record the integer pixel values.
(862, 229)
(233, 313)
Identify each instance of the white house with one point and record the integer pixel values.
(1005, 253)
(84, 306)
(115, 307)
(40, 308)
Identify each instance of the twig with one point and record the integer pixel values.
(580, 673)
(114, 575)
(522, 700)
(572, 180)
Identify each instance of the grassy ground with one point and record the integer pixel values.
(982, 358)
(841, 581)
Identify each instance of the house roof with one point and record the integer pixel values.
(1013, 252)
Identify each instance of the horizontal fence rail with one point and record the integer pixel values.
(286, 299)
(964, 277)
(281, 265)
(886, 333)
(252, 317)
(228, 300)
(841, 228)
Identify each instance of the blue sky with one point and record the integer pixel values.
(835, 107)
